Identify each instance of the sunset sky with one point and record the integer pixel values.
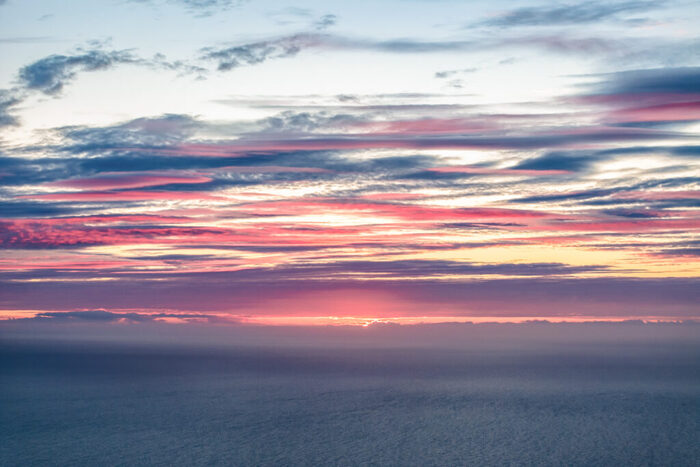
(326, 162)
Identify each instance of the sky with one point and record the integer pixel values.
(403, 161)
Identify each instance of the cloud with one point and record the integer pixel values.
(8, 100)
(568, 14)
(646, 97)
(27, 209)
(225, 292)
(117, 196)
(295, 15)
(375, 269)
(325, 22)
(684, 252)
(201, 8)
(411, 268)
(127, 181)
(103, 316)
(90, 315)
(679, 80)
(50, 75)
(574, 161)
(111, 230)
(254, 53)
(155, 131)
(208, 3)
(489, 171)
(258, 52)
(450, 73)
(42, 234)
(581, 160)
(658, 114)
(291, 121)
(572, 196)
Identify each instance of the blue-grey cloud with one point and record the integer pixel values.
(580, 160)
(561, 160)
(209, 3)
(667, 80)
(49, 75)
(201, 8)
(8, 100)
(143, 144)
(578, 196)
(451, 73)
(568, 14)
(290, 121)
(403, 268)
(601, 197)
(154, 131)
(386, 270)
(325, 22)
(88, 315)
(109, 316)
(33, 209)
(254, 53)
(692, 252)
(689, 202)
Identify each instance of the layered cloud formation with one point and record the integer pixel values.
(441, 198)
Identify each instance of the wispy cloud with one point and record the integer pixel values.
(50, 75)
(200, 8)
(8, 100)
(325, 22)
(568, 14)
(258, 52)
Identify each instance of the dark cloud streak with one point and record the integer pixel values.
(103, 316)
(49, 75)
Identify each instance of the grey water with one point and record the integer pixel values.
(88, 403)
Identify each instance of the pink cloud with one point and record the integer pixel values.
(676, 111)
(96, 196)
(28, 233)
(402, 211)
(101, 219)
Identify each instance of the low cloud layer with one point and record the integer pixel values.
(299, 165)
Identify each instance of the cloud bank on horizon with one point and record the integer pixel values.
(233, 161)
